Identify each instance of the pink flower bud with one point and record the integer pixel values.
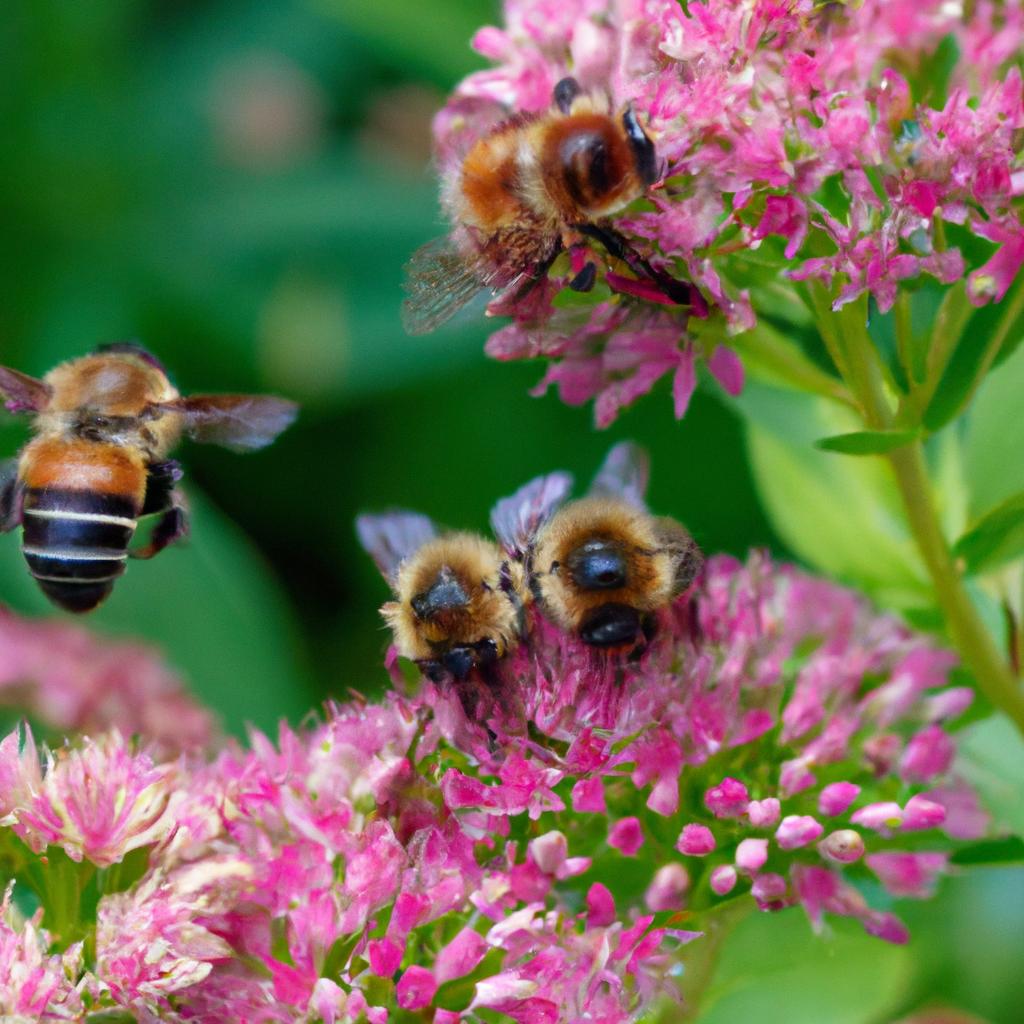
(948, 704)
(695, 840)
(549, 851)
(728, 799)
(836, 797)
(626, 836)
(723, 879)
(844, 846)
(668, 888)
(921, 813)
(600, 906)
(588, 796)
(769, 890)
(751, 855)
(929, 753)
(415, 988)
(384, 957)
(764, 813)
(879, 816)
(797, 830)
(887, 927)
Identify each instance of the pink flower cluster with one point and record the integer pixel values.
(838, 128)
(69, 681)
(777, 741)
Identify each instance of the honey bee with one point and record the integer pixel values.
(602, 566)
(459, 599)
(534, 185)
(104, 426)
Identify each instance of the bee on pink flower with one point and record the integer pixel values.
(531, 187)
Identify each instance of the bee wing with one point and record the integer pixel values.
(21, 392)
(624, 473)
(517, 518)
(242, 422)
(10, 495)
(391, 537)
(438, 283)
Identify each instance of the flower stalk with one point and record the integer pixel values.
(856, 359)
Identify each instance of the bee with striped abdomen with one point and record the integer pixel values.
(104, 426)
(531, 187)
(602, 566)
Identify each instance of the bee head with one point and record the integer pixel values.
(611, 625)
(445, 594)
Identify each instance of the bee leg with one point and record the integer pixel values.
(585, 279)
(163, 499)
(537, 274)
(11, 496)
(617, 247)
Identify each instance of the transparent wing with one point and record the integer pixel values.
(391, 537)
(10, 495)
(242, 422)
(438, 283)
(624, 473)
(516, 519)
(22, 393)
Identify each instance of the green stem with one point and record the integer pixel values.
(905, 337)
(968, 632)
(966, 629)
(948, 329)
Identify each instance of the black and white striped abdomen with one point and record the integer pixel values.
(76, 543)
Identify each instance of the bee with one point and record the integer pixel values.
(601, 567)
(459, 598)
(532, 186)
(104, 426)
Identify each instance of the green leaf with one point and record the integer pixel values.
(992, 851)
(843, 516)
(991, 759)
(866, 442)
(994, 439)
(997, 538)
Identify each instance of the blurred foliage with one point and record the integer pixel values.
(237, 184)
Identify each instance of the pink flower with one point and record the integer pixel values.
(668, 888)
(98, 802)
(695, 840)
(600, 906)
(416, 988)
(751, 855)
(843, 846)
(797, 830)
(836, 797)
(763, 813)
(728, 799)
(723, 879)
(908, 874)
(626, 836)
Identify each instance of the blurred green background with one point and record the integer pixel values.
(237, 184)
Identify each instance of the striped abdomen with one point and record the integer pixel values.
(80, 506)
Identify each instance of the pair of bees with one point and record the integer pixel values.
(105, 425)
(535, 185)
(600, 567)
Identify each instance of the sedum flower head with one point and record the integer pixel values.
(778, 744)
(814, 139)
(98, 801)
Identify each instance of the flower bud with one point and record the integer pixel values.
(667, 890)
(723, 879)
(844, 846)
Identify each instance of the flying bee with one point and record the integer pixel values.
(602, 566)
(104, 426)
(534, 185)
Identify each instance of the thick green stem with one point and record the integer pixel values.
(968, 632)
(966, 629)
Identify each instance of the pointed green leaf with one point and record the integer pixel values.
(997, 538)
(866, 442)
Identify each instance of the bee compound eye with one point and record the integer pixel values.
(642, 147)
(486, 652)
